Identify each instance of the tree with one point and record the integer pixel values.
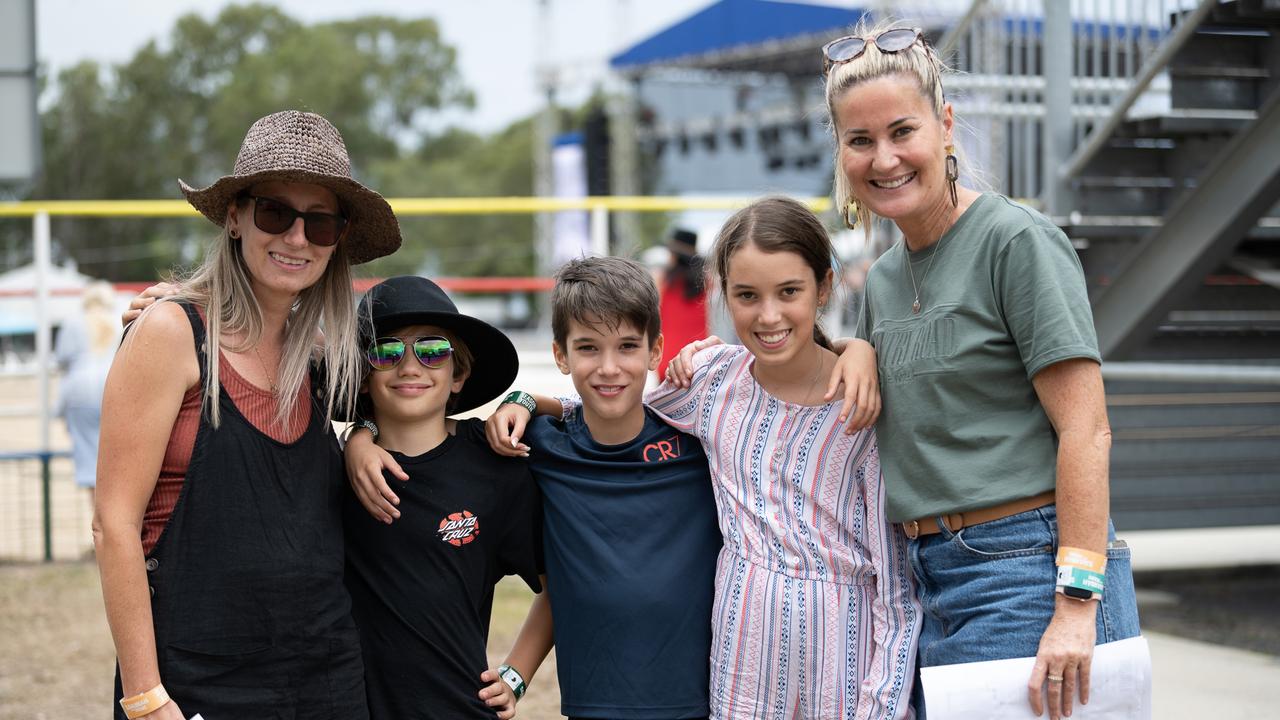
(181, 111)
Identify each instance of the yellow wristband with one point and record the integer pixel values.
(145, 703)
(1083, 559)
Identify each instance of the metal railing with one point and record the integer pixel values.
(1119, 49)
(43, 515)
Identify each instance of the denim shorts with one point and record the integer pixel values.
(988, 590)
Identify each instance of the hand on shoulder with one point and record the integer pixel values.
(692, 356)
(163, 331)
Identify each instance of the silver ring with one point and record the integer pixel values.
(1055, 678)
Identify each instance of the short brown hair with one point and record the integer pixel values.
(609, 290)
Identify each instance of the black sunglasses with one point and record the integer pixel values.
(273, 216)
(842, 50)
(386, 353)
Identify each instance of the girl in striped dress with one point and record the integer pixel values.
(815, 613)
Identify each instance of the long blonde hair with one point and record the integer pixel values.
(918, 62)
(102, 326)
(222, 286)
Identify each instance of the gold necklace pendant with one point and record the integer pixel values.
(915, 306)
(271, 382)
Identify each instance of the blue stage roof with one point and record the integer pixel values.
(730, 23)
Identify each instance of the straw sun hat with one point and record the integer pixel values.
(293, 146)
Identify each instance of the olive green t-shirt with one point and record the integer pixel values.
(961, 427)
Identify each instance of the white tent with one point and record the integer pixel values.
(18, 297)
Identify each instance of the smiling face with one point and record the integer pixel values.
(283, 264)
(608, 366)
(774, 300)
(411, 392)
(893, 147)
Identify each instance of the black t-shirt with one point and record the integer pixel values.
(422, 587)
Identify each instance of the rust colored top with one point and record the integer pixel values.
(258, 406)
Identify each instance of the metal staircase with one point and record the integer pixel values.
(1177, 223)
(1148, 129)
(1177, 219)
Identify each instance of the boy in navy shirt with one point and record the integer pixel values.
(630, 530)
(422, 588)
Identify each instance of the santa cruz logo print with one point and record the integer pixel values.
(459, 528)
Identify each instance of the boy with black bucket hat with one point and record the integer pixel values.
(422, 588)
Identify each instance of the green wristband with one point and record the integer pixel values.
(523, 399)
(513, 679)
(1070, 576)
(369, 425)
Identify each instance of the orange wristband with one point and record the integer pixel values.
(145, 703)
(1083, 559)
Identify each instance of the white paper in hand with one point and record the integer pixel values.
(1119, 689)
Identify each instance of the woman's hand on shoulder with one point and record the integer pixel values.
(365, 462)
(505, 427)
(497, 695)
(855, 369)
(146, 299)
(680, 369)
(167, 334)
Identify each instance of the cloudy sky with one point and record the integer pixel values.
(498, 40)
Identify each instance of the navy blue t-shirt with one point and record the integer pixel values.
(630, 540)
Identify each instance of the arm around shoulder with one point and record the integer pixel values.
(678, 402)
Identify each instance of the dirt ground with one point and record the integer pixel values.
(56, 657)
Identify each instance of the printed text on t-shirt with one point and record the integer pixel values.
(661, 450)
(459, 528)
(907, 348)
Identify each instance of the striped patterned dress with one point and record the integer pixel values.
(815, 612)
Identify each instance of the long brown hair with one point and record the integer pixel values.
(774, 225)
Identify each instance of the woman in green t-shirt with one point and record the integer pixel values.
(994, 433)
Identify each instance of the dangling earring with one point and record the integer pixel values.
(953, 174)
(851, 214)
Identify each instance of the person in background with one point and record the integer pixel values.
(218, 526)
(84, 350)
(683, 297)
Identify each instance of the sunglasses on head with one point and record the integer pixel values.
(275, 217)
(842, 50)
(386, 353)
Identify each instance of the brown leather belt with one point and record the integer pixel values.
(955, 522)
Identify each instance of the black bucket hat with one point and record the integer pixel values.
(410, 300)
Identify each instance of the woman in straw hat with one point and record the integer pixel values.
(217, 522)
